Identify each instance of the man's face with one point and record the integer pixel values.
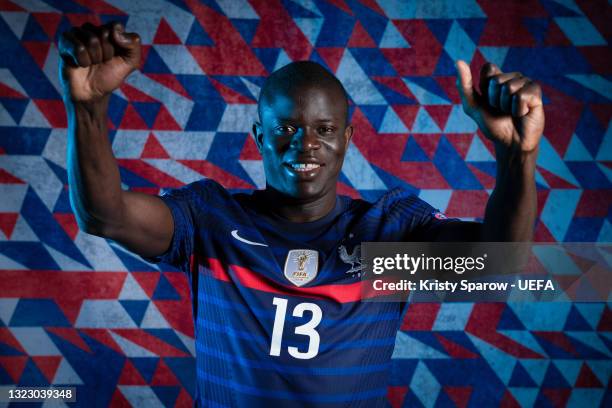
(303, 137)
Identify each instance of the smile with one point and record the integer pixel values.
(301, 167)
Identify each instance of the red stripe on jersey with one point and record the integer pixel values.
(339, 293)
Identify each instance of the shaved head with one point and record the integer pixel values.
(298, 76)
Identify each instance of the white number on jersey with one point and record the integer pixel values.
(306, 329)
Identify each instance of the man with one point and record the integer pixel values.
(275, 273)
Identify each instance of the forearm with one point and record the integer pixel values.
(93, 174)
(512, 208)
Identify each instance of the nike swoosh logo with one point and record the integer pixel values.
(246, 241)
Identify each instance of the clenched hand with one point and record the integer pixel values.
(96, 59)
(508, 109)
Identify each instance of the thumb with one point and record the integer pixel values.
(465, 85)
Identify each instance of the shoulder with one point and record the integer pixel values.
(205, 188)
(405, 202)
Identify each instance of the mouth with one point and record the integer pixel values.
(304, 168)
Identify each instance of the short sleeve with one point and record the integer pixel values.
(434, 225)
(184, 203)
(416, 219)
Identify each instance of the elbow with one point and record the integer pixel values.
(93, 227)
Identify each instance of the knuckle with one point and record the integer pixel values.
(80, 49)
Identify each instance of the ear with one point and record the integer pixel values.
(348, 134)
(258, 134)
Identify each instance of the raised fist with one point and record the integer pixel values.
(508, 109)
(95, 60)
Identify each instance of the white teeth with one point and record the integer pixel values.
(304, 166)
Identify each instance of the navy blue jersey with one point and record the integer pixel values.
(279, 321)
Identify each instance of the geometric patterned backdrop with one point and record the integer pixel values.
(76, 309)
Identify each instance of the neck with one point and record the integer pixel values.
(298, 210)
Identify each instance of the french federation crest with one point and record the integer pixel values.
(354, 258)
(301, 266)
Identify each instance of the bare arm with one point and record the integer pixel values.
(95, 60)
(509, 111)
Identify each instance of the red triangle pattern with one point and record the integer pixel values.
(396, 84)
(165, 34)
(562, 117)
(346, 190)
(429, 143)
(459, 395)
(341, 4)
(453, 349)
(461, 142)
(508, 401)
(7, 223)
(130, 375)
(8, 92)
(152, 343)
(119, 401)
(396, 395)
(49, 22)
(229, 95)
(558, 396)
(407, 113)
(360, 38)
(174, 313)
(555, 181)
(332, 56)
(68, 223)
(7, 338)
(373, 5)
(542, 234)
(439, 113)
(147, 280)
(555, 37)
(449, 86)
(47, 365)
(214, 172)
(420, 316)
(602, 111)
(14, 366)
(54, 111)
(132, 119)
(587, 378)
(71, 335)
(104, 337)
(78, 19)
(485, 179)
(183, 399)
(250, 150)
(605, 323)
(134, 94)
(169, 81)
(6, 5)
(153, 149)
(559, 339)
(145, 170)
(163, 375)
(467, 203)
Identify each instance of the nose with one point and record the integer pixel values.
(305, 139)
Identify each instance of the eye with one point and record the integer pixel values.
(284, 130)
(327, 130)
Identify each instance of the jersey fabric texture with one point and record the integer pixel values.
(263, 341)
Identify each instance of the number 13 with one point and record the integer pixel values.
(307, 329)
